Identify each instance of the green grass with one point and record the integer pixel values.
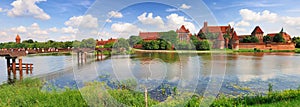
(53, 54)
(297, 50)
(28, 93)
(252, 50)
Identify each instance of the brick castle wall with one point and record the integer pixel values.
(263, 46)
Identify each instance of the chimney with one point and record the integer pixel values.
(205, 24)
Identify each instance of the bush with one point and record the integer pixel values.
(203, 45)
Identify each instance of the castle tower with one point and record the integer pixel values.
(18, 39)
(258, 33)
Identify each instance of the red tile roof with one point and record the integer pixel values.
(149, 35)
(182, 30)
(215, 29)
(234, 36)
(102, 42)
(257, 29)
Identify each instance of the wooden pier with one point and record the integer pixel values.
(12, 66)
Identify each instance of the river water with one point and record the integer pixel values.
(232, 74)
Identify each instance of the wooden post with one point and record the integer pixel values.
(26, 68)
(101, 55)
(20, 65)
(30, 68)
(81, 57)
(146, 97)
(14, 65)
(8, 65)
(78, 57)
(85, 56)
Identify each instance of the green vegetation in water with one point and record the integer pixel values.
(258, 50)
(53, 54)
(28, 92)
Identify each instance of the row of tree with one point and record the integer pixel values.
(168, 40)
(87, 43)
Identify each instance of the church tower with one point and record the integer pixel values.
(18, 39)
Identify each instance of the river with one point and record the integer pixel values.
(232, 74)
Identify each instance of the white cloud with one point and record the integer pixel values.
(172, 10)
(40, 32)
(28, 8)
(1, 10)
(125, 29)
(150, 20)
(67, 38)
(269, 22)
(20, 29)
(293, 21)
(174, 21)
(184, 6)
(231, 23)
(69, 29)
(265, 16)
(115, 14)
(3, 34)
(243, 23)
(108, 20)
(87, 21)
(53, 29)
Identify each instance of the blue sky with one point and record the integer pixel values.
(63, 20)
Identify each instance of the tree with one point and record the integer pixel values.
(278, 38)
(267, 38)
(121, 43)
(296, 40)
(250, 39)
(88, 43)
(203, 45)
(134, 40)
(170, 36)
(28, 41)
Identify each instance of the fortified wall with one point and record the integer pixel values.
(268, 46)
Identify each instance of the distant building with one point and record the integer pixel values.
(287, 37)
(220, 31)
(149, 36)
(183, 34)
(18, 39)
(101, 43)
(257, 32)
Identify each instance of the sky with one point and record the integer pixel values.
(64, 20)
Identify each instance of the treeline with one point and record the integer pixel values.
(169, 41)
(89, 43)
(296, 40)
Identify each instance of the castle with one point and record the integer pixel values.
(228, 38)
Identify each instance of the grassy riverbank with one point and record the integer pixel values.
(215, 51)
(52, 54)
(29, 93)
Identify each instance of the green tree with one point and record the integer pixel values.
(267, 38)
(121, 43)
(88, 43)
(250, 39)
(170, 36)
(203, 45)
(134, 40)
(28, 41)
(278, 38)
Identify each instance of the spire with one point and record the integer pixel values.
(281, 30)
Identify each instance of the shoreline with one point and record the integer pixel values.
(212, 51)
